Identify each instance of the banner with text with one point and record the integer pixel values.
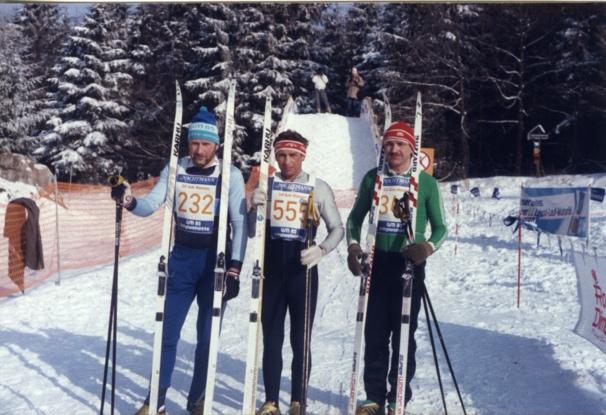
(562, 211)
(591, 283)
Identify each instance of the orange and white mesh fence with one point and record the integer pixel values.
(77, 232)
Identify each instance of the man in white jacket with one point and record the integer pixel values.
(320, 80)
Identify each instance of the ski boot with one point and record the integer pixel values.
(197, 408)
(144, 410)
(370, 408)
(269, 408)
(295, 408)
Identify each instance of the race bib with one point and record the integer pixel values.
(195, 203)
(393, 190)
(289, 210)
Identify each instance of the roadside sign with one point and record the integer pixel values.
(537, 133)
(426, 159)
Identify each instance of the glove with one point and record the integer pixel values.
(123, 191)
(231, 287)
(353, 259)
(259, 197)
(417, 253)
(312, 256)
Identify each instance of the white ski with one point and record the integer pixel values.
(254, 321)
(408, 273)
(373, 220)
(220, 266)
(167, 228)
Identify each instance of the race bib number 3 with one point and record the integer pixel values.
(195, 204)
(289, 210)
(393, 190)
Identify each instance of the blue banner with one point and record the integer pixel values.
(561, 211)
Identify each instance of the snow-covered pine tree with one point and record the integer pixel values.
(13, 87)
(295, 30)
(255, 44)
(273, 55)
(348, 39)
(331, 51)
(400, 30)
(518, 64)
(576, 96)
(209, 63)
(362, 45)
(43, 28)
(442, 59)
(159, 44)
(90, 131)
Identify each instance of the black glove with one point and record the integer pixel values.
(117, 192)
(231, 287)
(122, 191)
(353, 259)
(417, 253)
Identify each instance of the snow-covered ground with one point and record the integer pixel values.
(507, 360)
(12, 190)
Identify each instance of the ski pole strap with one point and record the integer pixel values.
(402, 212)
(313, 217)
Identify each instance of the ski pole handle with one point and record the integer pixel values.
(115, 180)
(118, 184)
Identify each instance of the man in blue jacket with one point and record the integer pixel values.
(192, 260)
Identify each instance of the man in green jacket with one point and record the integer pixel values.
(391, 252)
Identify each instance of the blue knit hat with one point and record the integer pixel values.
(203, 127)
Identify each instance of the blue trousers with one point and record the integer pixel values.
(191, 276)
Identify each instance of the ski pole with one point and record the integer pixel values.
(117, 193)
(312, 221)
(435, 320)
(433, 351)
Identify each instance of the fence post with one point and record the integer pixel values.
(58, 281)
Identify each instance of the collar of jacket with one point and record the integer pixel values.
(406, 173)
(301, 178)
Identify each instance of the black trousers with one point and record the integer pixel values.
(383, 327)
(284, 290)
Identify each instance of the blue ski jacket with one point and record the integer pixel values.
(237, 214)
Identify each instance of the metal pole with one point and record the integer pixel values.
(588, 215)
(58, 281)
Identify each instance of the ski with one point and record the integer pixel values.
(312, 222)
(410, 200)
(167, 228)
(373, 220)
(220, 266)
(254, 321)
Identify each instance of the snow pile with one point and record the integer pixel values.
(12, 190)
(341, 149)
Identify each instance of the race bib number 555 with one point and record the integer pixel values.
(289, 210)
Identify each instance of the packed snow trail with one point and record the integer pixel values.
(341, 149)
(508, 361)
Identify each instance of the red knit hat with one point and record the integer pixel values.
(400, 131)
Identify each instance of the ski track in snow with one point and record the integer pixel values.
(507, 360)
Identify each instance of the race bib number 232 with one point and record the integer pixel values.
(195, 204)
